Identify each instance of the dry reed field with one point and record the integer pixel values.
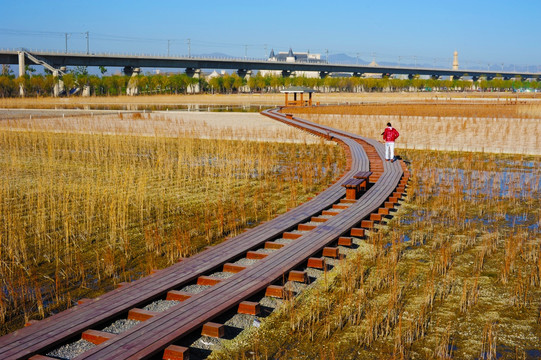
(90, 201)
(455, 274)
(231, 99)
(269, 99)
(233, 126)
(466, 126)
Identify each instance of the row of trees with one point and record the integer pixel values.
(112, 85)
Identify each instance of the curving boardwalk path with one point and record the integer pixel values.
(151, 337)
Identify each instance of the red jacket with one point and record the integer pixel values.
(390, 134)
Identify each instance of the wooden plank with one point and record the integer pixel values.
(213, 330)
(175, 352)
(233, 268)
(316, 263)
(141, 315)
(178, 295)
(249, 307)
(96, 337)
(298, 276)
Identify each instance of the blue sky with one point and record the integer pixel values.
(481, 31)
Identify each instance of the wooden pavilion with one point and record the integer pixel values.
(295, 90)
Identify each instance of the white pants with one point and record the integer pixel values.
(389, 150)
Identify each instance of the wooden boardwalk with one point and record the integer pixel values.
(149, 338)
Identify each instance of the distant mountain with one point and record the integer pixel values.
(345, 59)
(214, 55)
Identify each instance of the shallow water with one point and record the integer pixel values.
(154, 107)
(513, 181)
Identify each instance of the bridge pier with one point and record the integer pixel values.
(22, 72)
(357, 74)
(128, 70)
(132, 88)
(435, 77)
(196, 74)
(286, 73)
(244, 73)
(58, 88)
(323, 74)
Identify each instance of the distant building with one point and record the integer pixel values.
(455, 60)
(290, 56)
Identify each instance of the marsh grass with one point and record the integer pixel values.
(83, 211)
(499, 128)
(455, 274)
(507, 108)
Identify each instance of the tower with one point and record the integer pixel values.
(455, 60)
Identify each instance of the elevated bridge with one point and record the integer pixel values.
(194, 65)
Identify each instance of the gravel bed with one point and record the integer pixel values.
(245, 261)
(120, 326)
(70, 351)
(222, 275)
(283, 241)
(314, 273)
(204, 343)
(270, 302)
(312, 223)
(298, 231)
(295, 287)
(337, 210)
(195, 289)
(242, 321)
(326, 216)
(161, 305)
(266, 251)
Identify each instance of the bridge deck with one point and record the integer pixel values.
(58, 59)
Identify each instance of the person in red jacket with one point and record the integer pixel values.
(389, 136)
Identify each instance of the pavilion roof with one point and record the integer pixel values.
(297, 89)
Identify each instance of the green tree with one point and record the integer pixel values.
(216, 84)
(37, 85)
(228, 81)
(69, 81)
(8, 86)
(95, 82)
(238, 82)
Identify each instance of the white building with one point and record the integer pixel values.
(290, 56)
